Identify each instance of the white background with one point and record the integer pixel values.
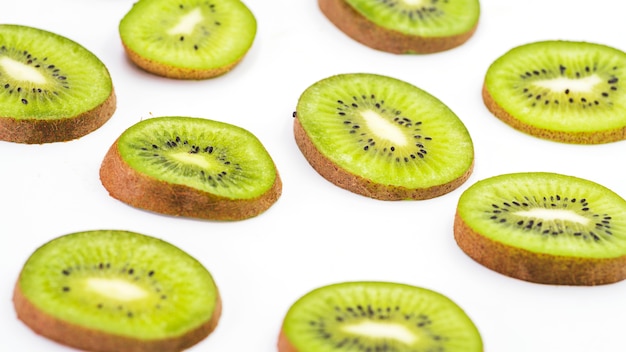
(316, 234)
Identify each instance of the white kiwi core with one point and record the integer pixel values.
(116, 288)
(414, 2)
(187, 23)
(192, 159)
(394, 331)
(579, 85)
(21, 72)
(554, 214)
(383, 128)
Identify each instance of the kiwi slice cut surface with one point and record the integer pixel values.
(377, 316)
(560, 90)
(51, 88)
(544, 227)
(192, 167)
(112, 290)
(188, 39)
(405, 26)
(382, 137)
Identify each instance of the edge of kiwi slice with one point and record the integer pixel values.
(545, 228)
(377, 316)
(113, 290)
(405, 26)
(381, 137)
(559, 90)
(52, 89)
(191, 167)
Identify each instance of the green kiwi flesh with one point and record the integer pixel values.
(188, 39)
(51, 88)
(192, 167)
(382, 137)
(560, 90)
(112, 290)
(544, 227)
(377, 316)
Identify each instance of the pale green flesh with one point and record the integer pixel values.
(574, 213)
(46, 76)
(120, 283)
(211, 156)
(586, 96)
(432, 149)
(375, 314)
(193, 34)
(425, 18)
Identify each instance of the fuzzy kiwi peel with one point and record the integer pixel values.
(188, 39)
(545, 228)
(113, 290)
(191, 167)
(381, 137)
(52, 89)
(405, 26)
(564, 91)
(377, 316)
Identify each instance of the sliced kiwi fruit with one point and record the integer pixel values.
(113, 290)
(544, 228)
(405, 26)
(52, 89)
(382, 137)
(188, 39)
(564, 91)
(192, 167)
(377, 316)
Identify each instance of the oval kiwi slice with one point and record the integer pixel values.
(405, 26)
(51, 88)
(377, 316)
(192, 167)
(545, 228)
(382, 137)
(188, 39)
(560, 90)
(111, 290)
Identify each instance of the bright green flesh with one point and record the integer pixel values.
(168, 293)
(578, 218)
(382, 316)
(438, 147)
(424, 18)
(214, 33)
(211, 156)
(561, 86)
(46, 76)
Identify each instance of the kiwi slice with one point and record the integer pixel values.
(405, 26)
(51, 88)
(192, 167)
(545, 228)
(112, 290)
(560, 90)
(377, 316)
(382, 137)
(188, 39)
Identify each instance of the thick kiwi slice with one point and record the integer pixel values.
(382, 137)
(191, 167)
(405, 26)
(188, 39)
(560, 90)
(111, 290)
(51, 88)
(545, 228)
(377, 316)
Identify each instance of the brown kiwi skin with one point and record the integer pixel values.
(594, 137)
(39, 131)
(283, 343)
(537, 267)
(359, 28)
(359, 185)
(144, 192)
(92, 340)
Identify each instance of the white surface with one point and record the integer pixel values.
(316, 234)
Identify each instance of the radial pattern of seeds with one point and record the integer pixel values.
(569, 87)
(120, 283)
(375, 316)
